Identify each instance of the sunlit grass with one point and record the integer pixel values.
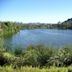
(35, 69)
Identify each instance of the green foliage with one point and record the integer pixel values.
(5, 57)
(41, 56)
(8, 28)
(30, 58)
(62, 58)
(18, 51)
(1, 42)
(37, 56)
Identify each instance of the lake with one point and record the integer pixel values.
(46, 37)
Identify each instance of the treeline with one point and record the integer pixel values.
(37, 56)
(47, 26)
(64, 25)
(60, 25)
(11, 27)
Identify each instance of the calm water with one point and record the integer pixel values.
(47, 37)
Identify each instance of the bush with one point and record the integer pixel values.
(6, 58)
(62, 58)
(18, 51)
(37, 56)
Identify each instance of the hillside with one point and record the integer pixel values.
(67, 24)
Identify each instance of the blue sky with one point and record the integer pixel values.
(48, 11)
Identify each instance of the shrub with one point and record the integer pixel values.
(6, 58)
(18, 51)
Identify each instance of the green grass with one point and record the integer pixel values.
(35, 69)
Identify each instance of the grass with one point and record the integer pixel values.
(35, 69)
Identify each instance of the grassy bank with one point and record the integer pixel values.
(37, 56)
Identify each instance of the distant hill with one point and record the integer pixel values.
(69, 21)
(67, 24)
